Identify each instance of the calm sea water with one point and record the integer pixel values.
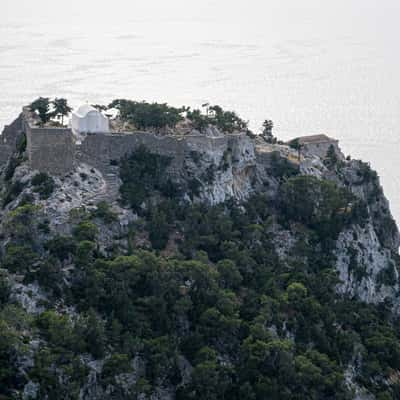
(312, 66)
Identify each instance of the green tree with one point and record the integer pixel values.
(320, 204)
(295, 144)
(296, 292)
(43, 184)
(85, 230)
(42, 107)
(148, 115)
(267, 131)
(61, 108)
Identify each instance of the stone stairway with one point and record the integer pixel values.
(110, 192)
(110, 173)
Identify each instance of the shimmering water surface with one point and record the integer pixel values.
(312, 66)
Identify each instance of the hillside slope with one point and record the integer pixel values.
(247, 274)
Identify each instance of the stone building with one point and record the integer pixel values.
(319, 145)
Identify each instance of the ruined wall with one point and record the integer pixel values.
(101, 149)
(9, 139)
(50, 150)
(320, 149)
(56, 150)
(230, 159)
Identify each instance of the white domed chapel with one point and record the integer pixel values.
(87, 119)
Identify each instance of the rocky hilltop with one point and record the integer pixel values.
(208, 265)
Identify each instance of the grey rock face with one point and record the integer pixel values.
(361, 260)
(30, 391)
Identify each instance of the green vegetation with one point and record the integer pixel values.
(104, 212)
(295, 144)
(331, 159)
(43, 184)
(387, 276)
(42, 107)
(225, 121)
(207, 287)
(144, 173)
(267, 131)
(13, 188)
(61, 108)
(147, 115)
(281, 168)
(13, 321)
(318, 204)
(85, 230)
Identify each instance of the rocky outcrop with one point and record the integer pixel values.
(366, 269)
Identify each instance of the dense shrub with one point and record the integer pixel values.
(12, 164)
(282, 168)
(387, 276)
(226, 121)
(19, 258)
(12, 321)
(104, 212)
(85, 230)
(148, 115)
(12, 192)
(61, 247)
(319, 204)
(43, 184)
(21, 223)
(144, 173)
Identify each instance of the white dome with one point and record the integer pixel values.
(83, 110)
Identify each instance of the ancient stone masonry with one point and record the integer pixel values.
(50, 150)
(225, 165)
(104, 148)
(56, 150)
(319, 145)
(235, 161)
(9, 139)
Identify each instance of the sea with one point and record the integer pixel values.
(311, 66)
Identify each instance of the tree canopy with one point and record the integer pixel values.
(148, 115)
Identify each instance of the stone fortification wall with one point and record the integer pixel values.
(57, 151)
(320, 149)
(104, 150)
(9, 139)
(101, 149)
(50, 150)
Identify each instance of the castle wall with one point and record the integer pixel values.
(321, 149)
(56, 151)
(9, 138)
(98, 148)
(50, 150)
(101, 149)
